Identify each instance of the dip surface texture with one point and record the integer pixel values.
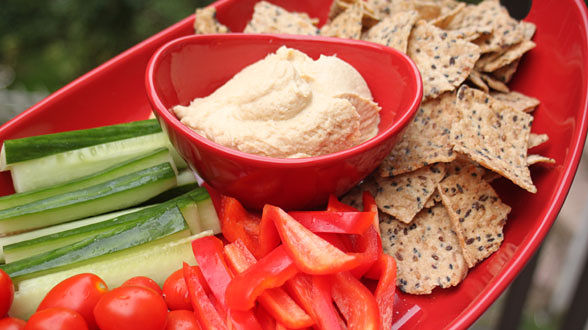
(287, 106)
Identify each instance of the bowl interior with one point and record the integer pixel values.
(195, 66)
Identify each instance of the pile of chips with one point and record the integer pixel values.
(439, 215)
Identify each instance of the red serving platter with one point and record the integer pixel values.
(554, 72)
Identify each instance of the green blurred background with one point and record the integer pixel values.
(46, 44)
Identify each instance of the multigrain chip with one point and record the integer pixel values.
(494, 135)
(506, 73)
(403, 196)
(469, 20)
(449, 10)
(494, 61)
(427, 251)
(393, 31)
(369, 18)
(517, 101)
(347, 24)
(494, 84)
(269, 18)
(433, 200)
(528, 30)
(534, 159)
(443, 60)
(506, 31)
(426, 140)
(537, 140)
(476, 78)
(205, 22)
(477, 214)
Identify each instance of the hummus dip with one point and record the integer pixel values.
(287, 105)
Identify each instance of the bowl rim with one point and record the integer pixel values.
(162, 112)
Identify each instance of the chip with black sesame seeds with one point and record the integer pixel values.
(477, 214)
(444, 61)
(426, 140)
(517, 100)
(536, 159)
(494, 83)
(205, 22)
(393, 31)
(347, 24)
(494, 135)
(536, 140)
(494, 61)
(403, 196)
(269, 18)
(427, 251)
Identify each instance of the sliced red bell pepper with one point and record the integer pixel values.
(355, 301)
(334, 205)
(269, 238)
(334, 221)
(369, 247)
(208, 252)
(276, 301)
(269, 272)
(312, 254)
(369, 205)
(313, 292)
(204, 308)
(236, 223)
(384, 270)
(266, 321)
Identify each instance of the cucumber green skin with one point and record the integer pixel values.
(70, 165)
(19, 150)
(125, 191)
(158, 156)
(155, 261)
(164, 222)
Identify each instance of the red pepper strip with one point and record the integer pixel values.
(384, 270)
(335, 222)
(312, 254)
(236, 223)
(269, 238)
(370, 245)
(355, 301)
(369, 205)
(276, 301)
(314, 294)
(334, 205)
(269, 272)
(208, 252)
(204, 309)
(266, 321)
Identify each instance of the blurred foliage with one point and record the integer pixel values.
(48, 43)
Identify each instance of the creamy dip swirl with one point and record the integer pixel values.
(287, 105)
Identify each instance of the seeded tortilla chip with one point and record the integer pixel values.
(528, 30)
(269, 18)
(426, 140)
(535, 159)
(369, 18)
(494, 135)
(517, 101)
(448, 12)
(537, 140)
(368, 111)
(470, 20)
(506, 30)
(427, 251)
(494, 84)
(205, 22)
(495, 61)
(405, 195)
(476, 212)
(393, 31)
(443, 60)
(348, 24)
(433, 200)
(476, 78)
(506, 73)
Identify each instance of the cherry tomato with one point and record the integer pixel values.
(131, 307)
(182, 319)
(12, 323)
(56, 318)
(175, 292)
(145, 282)
(79, 293)
(6, 293)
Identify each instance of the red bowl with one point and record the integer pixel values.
(556, 72)
(195, 66)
